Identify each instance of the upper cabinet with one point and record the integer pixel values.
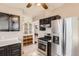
(46, 22)
(30, 28)
(27, 28)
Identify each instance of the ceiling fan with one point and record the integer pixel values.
(44, 5)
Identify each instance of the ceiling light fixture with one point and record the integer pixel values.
(38, 4)
(44, 5)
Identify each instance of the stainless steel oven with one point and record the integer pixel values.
(42, 46)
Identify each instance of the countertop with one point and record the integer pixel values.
(9, 41)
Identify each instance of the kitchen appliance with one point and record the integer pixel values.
(57, 36)
(44, 45)
(65, 37)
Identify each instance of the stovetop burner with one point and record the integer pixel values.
(46, 38)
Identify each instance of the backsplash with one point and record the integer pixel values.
(42, 33)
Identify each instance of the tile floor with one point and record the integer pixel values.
(31, 50)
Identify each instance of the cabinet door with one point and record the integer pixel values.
(16, 50)
(42, 21)
(2, 51)
(8, 51)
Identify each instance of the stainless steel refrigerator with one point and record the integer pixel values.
(65, 37)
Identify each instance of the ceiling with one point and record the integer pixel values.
(34, 10)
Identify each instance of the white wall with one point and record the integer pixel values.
(9, 35)
(37, 30)
(42, 33)
(17, 34)
(23, 18)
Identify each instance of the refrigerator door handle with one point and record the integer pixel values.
(64, 38)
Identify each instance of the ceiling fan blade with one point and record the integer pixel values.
(29, 5)
(44, 5)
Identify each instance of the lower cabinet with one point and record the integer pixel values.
(11, 50)
(2, 51)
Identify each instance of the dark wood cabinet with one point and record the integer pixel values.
(45, 21)
(7, 50)
(16, 50)
(11, 50)
(2, 51)
(41, 21)
(48, 20)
